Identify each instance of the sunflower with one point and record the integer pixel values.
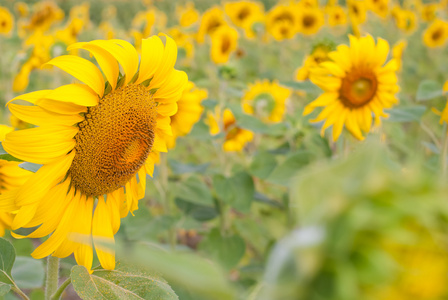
(45, 14)
(429, 12)
(336, 16)
(318, 54)
(282, 22)
(187, 14)
(356, 85)
(224, 42)
(266, 100)
(22, 9)
(245, 14)
(357, 11)
(11, 177)
(96, 142)
(406, 20)
(379, 7)
(183, 40)
(188, 113)
(211, 20)
(436, 34)
(235, 137)
(6, 21)
(310, 20)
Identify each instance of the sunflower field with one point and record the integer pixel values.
(220, 150)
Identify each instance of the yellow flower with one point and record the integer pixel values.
(143, 22)
(266, 100)
(311, 20)
(397, 52)
(245, 14)
(45, 14)
(109, 12)
(318, 54)
(22, 9)
(211, 20)
(188, 113)
(11, 177)
(406, 20)
(96, 142)
(379, 7)
(107, 29)
(436, 34)
(187, 14)
(357, 11)
(357, 84)
(429, 12)
(182, 40)
(282, 22)
(336, 16)
(224, 42)
(235, 137)
(6, 21)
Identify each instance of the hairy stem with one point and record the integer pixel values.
(52, 276)
(61, 289)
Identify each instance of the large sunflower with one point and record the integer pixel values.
(357, 85)
(11, 177)
(96, 142)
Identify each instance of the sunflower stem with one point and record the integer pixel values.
(61, 289)
(444, 149)
(172, 238)
(52, 276)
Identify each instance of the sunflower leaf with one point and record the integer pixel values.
(7, 258)
(406, 114)
(30, 166)
(4, 288)
(125, 282)
(429, 89)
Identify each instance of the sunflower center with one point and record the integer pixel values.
(243, 14)
(114, 140)
(358, 89)
(437, 34)
(226, 43)
(264, 104)
(308, 21)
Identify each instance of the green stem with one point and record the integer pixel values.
(52, 276)
(61, 289)
(444, 150)
(19, 292)
(172, 236)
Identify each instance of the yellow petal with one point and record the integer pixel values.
(152, 53)
(75, 93)
(31, 97)
(103, 236)
(172, 88)
(82, 70)
(382, 51)
(167, 64)
(39, 116)
(59, 107)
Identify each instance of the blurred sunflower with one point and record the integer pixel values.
(45, 14)
(436, 34)
(6, 21)
(96, 142)
(357, 11)
(310, 20)
(187, 14)
(336, 16)
(188, 113)
(318, 54)
(282, 22)
(22, 9)
(183, 40)
(235, 137)
(406, 20)
(356, 85)
(211, 20)
(379, 7)
(266, 100)
(11, 177)
(224, 43)
(245, 14)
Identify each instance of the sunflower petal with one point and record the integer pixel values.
(152, 53)
(103, 236)
(39, 116)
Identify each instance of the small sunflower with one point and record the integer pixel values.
(429, 12)
(406, 20)
(266, 100)
(235, 137)
(6, 21)
(211, 20)
(245, 14)
(310, 20)
(224, 43)
(11, 178)
(282, 22)
(357, 11)
(436, 34)
(96, 142)
(357, 84)
(379, 7)
(318, 54)
(187, 14)
(336, 16)
(22, 9)
(183, 40)
(189, 111)
(45, 14)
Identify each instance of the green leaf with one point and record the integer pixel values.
(262, 165)
(223, 188)
(209, 103)
(259, 197)
(2, 151)
(181, 168)
(429, 89)
(4, 288)
(285, 171)
(406, 114)
(243, 191)
(30, 166)
(7, 258)
(306, 86)
(195, 191)
(199, 212)
(121, 283)
(28, 273)
(228, 250)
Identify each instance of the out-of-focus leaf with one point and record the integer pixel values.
(199, 212)
(228, 250)
(255, 125)
(37, 295)
(259, 197)
(4, 288)
(285, 171)
(262, 165)
(243, 191)
(143, 226)
(200, 131)
(7, 258)
(429, 89)
(2, 151)
(306, 86)
(181, 168)
(195, 191)
(121, 283)
(223, 188)
(430, 146)
(406, 114)
(28, 273)
(30, 166)
(209, 103)
(188, 270)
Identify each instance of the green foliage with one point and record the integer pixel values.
(406, 114)
(7, 258)
(28, 273)
(429, 89)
